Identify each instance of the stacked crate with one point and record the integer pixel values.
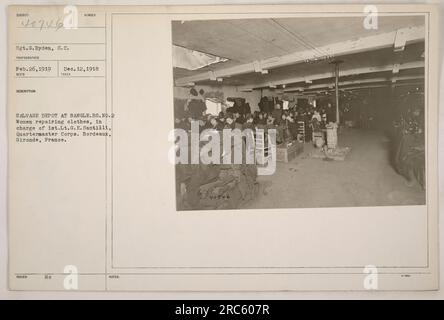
(332, 135)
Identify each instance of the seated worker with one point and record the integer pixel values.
(292, 127)
(283, 119)
(229, 122)
(178, 123)
(277, 112)
(317, 116)
(260, 120)
(255, 116)
(186, 125)
(315, 124)
(272, 124)
(270, 121)
(202, 122)
(213, 124)
(282, 127)
(287, 122)
(249, 123)
(324, 119)
(246, 109)
(238, 120)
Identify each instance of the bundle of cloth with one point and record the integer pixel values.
(209, 187)
(410, 158)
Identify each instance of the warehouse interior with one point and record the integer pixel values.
(347, 101)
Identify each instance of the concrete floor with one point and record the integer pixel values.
(364, 178)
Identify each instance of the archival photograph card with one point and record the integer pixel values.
(223, 148)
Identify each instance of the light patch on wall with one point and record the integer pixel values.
(192, 59)
(213, 106)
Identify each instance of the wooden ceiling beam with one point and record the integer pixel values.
(346, 72)
(384, 40)
(351, 72)
(357, 82)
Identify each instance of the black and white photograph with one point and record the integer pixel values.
(343, 95)
(240, 150)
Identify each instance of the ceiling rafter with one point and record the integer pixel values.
(346, 83)
(361, 86)
(374, 42)
(343, 73)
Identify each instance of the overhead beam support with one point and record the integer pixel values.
(321, 93)
(368, 86)
(345, 72)
(400, 40)
(384, 40)
(257, 66)
(212, 76)
(356, 82)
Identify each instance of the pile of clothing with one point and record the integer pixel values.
(209, 187)
(410, 158)
(409, 140)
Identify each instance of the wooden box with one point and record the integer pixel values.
(286, 153)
